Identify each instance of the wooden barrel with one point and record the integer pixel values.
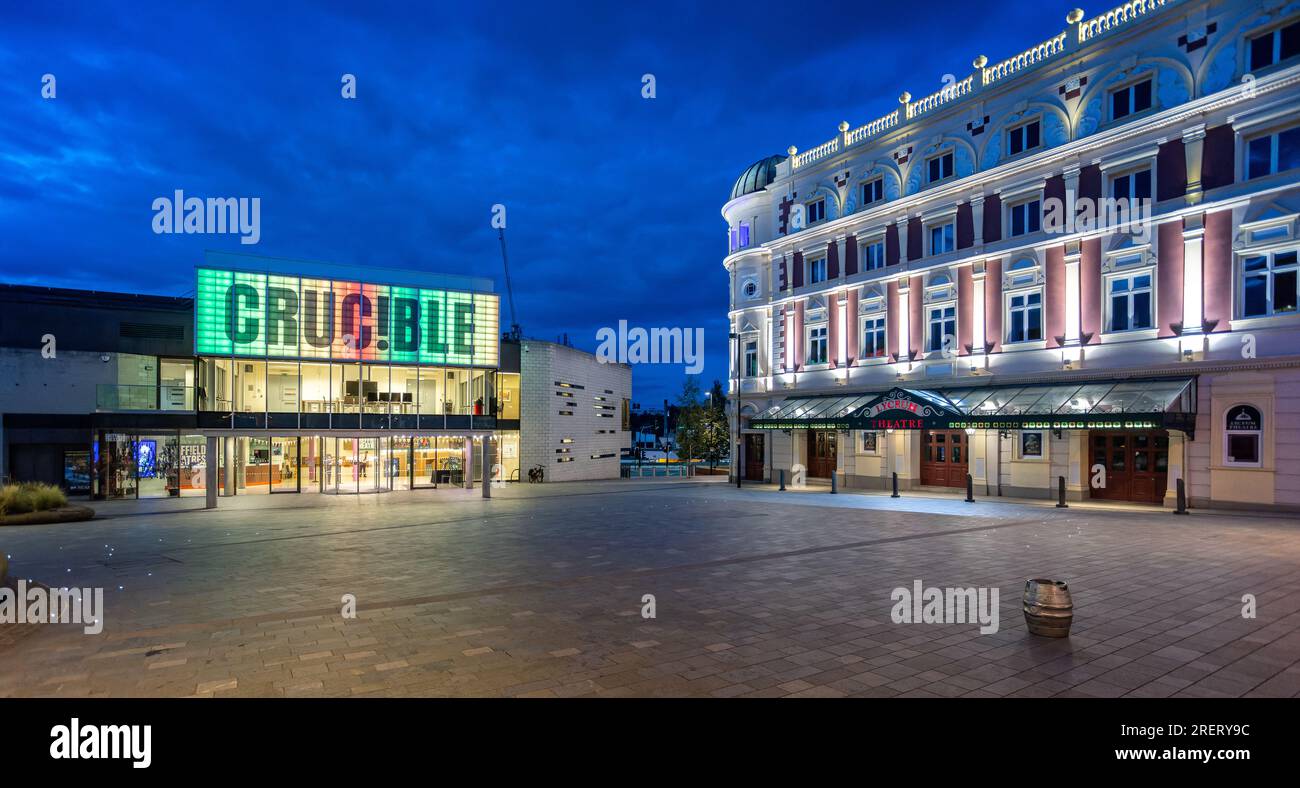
(1049, 610)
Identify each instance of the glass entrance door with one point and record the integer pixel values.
(285, 465)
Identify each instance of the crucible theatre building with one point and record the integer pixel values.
(1079, 261)
(292, 377)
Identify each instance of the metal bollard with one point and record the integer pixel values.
(970, 489)
(834, 490)
(1182, 498)
(895, 495)
(781, 471)
(1060, 493)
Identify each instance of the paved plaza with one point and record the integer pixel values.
(758, 593)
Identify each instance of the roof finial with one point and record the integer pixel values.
(1074, 16)
(844, 126)
(792, 150)
(906, 97)
(980, 62)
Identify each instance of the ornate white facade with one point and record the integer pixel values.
(924, 253)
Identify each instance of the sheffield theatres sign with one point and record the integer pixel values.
(252, 315)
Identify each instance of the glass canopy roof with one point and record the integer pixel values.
(1169, 395)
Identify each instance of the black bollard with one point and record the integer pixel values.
(833, 488)
(895, 495)
(781, 476)
(1060, 493)
(970, 489)
(1182, 498)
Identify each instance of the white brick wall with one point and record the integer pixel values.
(544, 430)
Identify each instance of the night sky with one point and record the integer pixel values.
(613, 201)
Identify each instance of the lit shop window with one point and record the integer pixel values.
(817, 350)
(1129, 307)
(1273, 153)
(1025, 316)
(1268, 284)
(1243, 429)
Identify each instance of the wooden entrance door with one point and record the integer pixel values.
(821, 453)
(754, 458)
(1136, 465)
(944, 458)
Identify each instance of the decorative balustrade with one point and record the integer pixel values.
(1116, 17)
(1030, 57)
(819, 152)
(1077, 33)
(937, 99)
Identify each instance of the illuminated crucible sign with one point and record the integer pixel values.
(251, 314)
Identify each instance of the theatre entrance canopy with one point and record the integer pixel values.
(1165, 403)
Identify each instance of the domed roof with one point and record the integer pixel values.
(757, 176)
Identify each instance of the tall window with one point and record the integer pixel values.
(1272, 153)
(1130, 303)
(739, 236)
(1275, 46)
(1268, 284)
(817, 270)
(817, 351)
(943, 238)
(873, 338)
(943, 323)
(751, 359)
(873, 256)
(873, 191)
(1130, 99)
(1025, 316)
(1243, 428)
(1025, 218)
(1023, 138)
(940, 167)
(1132, 185)
(815, 211)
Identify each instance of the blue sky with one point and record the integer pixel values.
(612, 200)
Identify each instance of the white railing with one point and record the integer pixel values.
(939, 98)
(1104, 23)
(873, 128)
(819, 152)
(1030, 57)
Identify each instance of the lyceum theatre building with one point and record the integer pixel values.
(1079, 261)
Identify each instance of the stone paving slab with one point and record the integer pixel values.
(538, 593)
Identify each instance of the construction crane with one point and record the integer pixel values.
(515, 332)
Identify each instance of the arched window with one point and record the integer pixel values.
(1243, 430)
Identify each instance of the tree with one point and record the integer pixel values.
(715, 436)
(718, 397)
(690, 420)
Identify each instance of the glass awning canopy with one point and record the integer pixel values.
(1134, 404)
